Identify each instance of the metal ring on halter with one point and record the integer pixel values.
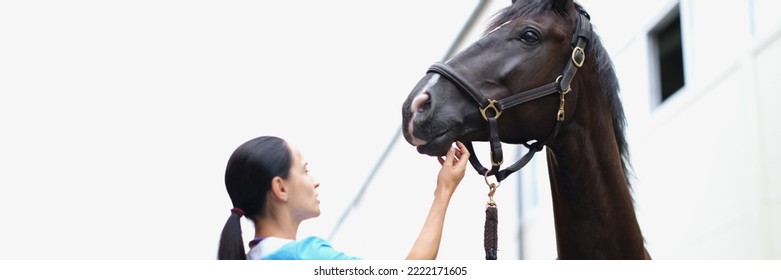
(492, 185)
(491, 105)
(491, 190)
(563, 91)
(578, 52)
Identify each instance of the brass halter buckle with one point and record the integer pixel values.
(491, 105)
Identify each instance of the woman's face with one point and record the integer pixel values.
(302, 189)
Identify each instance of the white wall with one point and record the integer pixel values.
(702, 189)
(704, 160)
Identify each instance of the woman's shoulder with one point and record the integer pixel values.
(314, 240)
(308, 248)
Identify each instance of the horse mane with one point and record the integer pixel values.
(603, 67)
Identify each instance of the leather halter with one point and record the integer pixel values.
(491, 109)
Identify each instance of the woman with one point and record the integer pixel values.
(268, 182)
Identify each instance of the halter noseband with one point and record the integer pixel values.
(491, 109)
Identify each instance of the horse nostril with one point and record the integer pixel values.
(422, 102)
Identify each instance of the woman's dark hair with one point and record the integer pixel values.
(248, 179)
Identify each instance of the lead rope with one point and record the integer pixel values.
(491, 236)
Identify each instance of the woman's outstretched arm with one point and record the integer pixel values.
(453, 164)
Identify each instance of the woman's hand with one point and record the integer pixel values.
(453, 168)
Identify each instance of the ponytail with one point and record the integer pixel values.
(231, 242)
(248, 175)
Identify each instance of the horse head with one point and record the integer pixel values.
(540, 77)
(528, 48)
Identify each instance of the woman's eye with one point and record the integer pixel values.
(530, 37)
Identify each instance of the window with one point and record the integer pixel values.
(667, 56)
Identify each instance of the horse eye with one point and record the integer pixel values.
(530, 37)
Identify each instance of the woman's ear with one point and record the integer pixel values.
(278, 189)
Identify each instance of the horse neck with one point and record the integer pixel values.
(593, 210)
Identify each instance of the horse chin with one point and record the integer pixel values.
(438, 146)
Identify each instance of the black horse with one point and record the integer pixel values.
(540, 77)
